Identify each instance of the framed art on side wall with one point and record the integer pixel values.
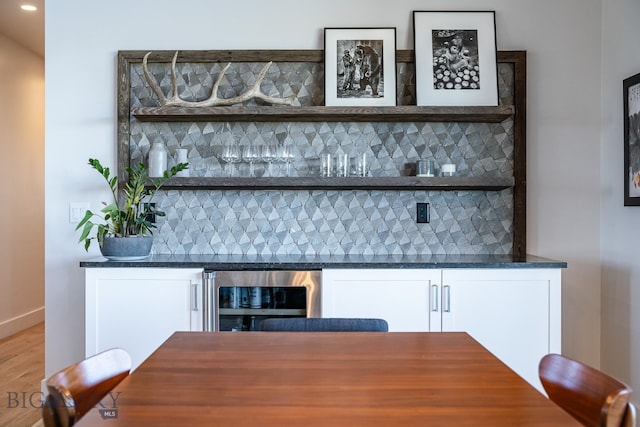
(360, 66)
(631, 99)
(456, 60)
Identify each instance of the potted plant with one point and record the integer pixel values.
(125, 227)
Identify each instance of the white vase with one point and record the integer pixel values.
(157, 160)
(181, 157)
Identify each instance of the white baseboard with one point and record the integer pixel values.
(24, 321)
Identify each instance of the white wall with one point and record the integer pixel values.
(563, 44)
(21, 188)
(620, 231)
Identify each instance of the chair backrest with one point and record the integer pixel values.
(589, 395)
(304, 324)
(76, 389)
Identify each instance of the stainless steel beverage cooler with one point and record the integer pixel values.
(240, 300)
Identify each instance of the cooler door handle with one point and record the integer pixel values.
(208, 301)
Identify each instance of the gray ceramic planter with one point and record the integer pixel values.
(126, 248)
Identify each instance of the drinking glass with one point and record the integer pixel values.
(341, 162)
(425, 167)
(269, 155)
(251, 155)
(359, 165)
(287, 152)
(326, 166)
(231, 155)
(284, 155)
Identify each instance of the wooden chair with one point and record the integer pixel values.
(304, 324)
(76, 389)
(589, 395)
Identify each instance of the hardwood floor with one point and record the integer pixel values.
(21, 370)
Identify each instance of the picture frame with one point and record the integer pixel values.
(360, 66)
(455, 58)
(631, 100)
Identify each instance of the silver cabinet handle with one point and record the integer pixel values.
(446, 298)
(434, 297)
(194, 287)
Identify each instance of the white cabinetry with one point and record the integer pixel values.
(139, 308)
(401, 297)
(514, 313)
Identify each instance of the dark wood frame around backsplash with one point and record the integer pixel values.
(517, 58)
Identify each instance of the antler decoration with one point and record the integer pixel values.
(175, 101)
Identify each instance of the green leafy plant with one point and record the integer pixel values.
(129, 215)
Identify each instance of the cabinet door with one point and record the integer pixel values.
(138, 309)
(401, 297)
(510, 312)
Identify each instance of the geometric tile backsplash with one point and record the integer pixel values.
(325, 222)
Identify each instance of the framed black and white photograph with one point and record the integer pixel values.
(456, 60)
(631, 98)
(360, 66)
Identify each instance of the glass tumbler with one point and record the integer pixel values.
(326, 165)
(425, 167)
(359, 165)
(341, 162)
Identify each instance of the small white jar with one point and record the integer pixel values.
(157, 160)
(181, 157)
(448, 169)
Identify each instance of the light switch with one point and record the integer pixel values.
(77, 211)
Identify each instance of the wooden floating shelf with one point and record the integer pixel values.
(347, 183)
(405, 113)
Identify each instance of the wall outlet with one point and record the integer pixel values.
(150, 217)
(422, 213)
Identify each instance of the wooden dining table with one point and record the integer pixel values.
(324, 379)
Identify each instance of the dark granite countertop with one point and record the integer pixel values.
(301, 262)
